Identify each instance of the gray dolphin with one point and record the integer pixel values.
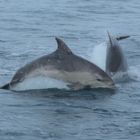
(63, 65)
(115, 59)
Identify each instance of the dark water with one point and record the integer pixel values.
(27, 31)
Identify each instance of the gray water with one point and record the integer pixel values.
(27, 31)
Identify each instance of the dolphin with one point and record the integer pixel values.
(61, 65)
(115, 58)
(100, 54)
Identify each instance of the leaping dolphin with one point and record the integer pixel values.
(115, 59)
(61, 65)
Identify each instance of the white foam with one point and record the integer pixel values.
(121, 77)
(98, 55)
(134, 73)
(40, 82)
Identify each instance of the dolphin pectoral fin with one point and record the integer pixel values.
(122, 37)
(76, 86)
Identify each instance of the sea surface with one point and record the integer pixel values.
(27, 31)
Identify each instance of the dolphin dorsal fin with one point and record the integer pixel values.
(62, 47)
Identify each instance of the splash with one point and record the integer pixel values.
(134, 73)
(121, 77)
(98, 55)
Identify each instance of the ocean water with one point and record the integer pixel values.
(27, 31)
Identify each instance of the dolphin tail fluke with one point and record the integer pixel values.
(6, 86)
(122, 37)
(117, 38)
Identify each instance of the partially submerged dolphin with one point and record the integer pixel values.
(115, 59)
(61, 65)
(109, 56)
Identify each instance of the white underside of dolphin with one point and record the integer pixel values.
(40, 82)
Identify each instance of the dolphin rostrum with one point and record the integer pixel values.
(115, 59)
(62, 65)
